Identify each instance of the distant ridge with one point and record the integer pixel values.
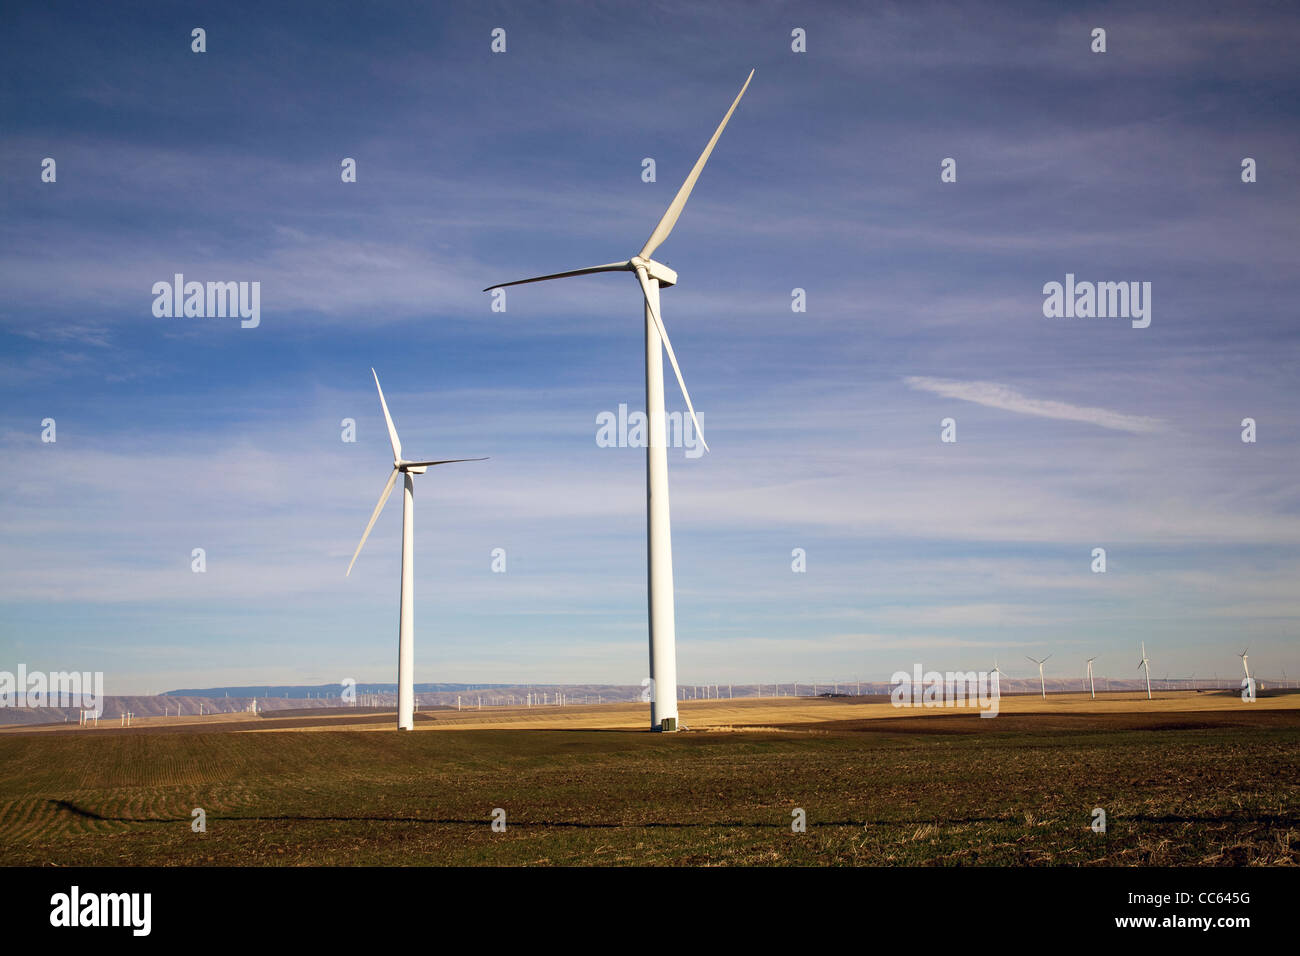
(1009, 685)
(323, 690)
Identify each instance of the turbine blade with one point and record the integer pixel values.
(679, 201)
(607, 267)
(392, 432)
(444, 461)
(383, 498)
(668, 347)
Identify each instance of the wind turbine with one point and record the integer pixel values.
(1145, 665)
(1245, 661)
(1000, 674)
(406, 614)
(1091, 686)
(652, 276)
(1042, 684)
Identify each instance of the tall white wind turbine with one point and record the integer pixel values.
(652, 276)
(1245, 661)
(406, 614)
(1091, 687)
(1145, 665)
(1042, 683)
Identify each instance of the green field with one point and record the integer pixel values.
(952, 791)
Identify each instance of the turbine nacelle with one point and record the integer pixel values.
(655, 270)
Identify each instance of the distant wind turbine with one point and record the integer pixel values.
(1145, 665)
(406, 613)
(1245, 661)
(1091, 687)
(1042, 683)
(652, 275)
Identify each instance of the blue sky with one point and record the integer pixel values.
(924, 302)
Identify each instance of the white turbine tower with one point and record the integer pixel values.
(652, 276)
(1245, 665)
(406, 614)
(1145, 666)
(1042, 683)
(1091, 686)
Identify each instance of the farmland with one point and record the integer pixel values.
(1184, 780)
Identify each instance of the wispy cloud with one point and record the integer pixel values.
(995, 395)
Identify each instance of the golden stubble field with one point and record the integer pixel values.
(1186, 779)
(753, 713)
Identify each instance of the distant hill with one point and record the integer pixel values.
(291, 691)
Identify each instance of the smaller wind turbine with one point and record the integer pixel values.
(1042, 683)
(406, 600)
(1000, 673)
(1091, 687)
(1145, 665)
(1245, 661)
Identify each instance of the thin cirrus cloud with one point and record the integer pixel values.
(995, 395)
